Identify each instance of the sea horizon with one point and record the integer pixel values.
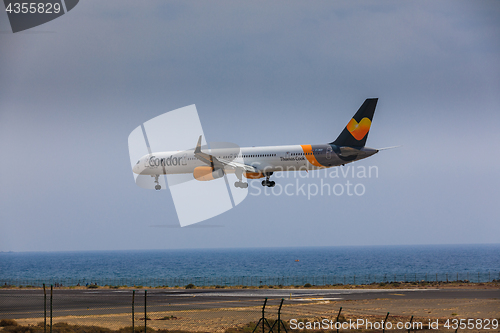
(252, 248)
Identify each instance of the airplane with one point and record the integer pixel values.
(263, 162)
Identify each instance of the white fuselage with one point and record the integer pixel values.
(268, 159)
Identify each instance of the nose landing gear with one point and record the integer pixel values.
(157, 186)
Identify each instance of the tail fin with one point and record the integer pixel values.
(356, 131)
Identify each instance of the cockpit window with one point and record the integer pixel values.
(138, 162)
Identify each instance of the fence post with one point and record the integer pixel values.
(145, 311)
(51, 289)
(263, 315)
(385, 321)
(44, 309)
(410, 324)
(263, 320)
(337, 320)
(279, 321)
(133, 315)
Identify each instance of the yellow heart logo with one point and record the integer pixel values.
(359, 130)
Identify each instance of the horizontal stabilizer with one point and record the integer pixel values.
(348, 151)
(389, 147)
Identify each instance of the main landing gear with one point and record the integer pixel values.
(240, 183)
(157, 186)
(267, 182)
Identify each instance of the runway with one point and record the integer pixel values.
(29, 303)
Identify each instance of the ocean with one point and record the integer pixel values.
(316, 265)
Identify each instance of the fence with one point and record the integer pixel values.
(256, 281)
(137, 311)
(56, 310)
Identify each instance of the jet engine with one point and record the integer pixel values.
(254, 175)
(205, 173)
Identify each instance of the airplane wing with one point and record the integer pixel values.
(216, 163)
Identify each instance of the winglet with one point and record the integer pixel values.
(198, 146)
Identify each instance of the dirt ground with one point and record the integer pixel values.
(374, 310)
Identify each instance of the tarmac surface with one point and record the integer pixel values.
(29, 303)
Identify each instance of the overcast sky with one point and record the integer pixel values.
(260, 73)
